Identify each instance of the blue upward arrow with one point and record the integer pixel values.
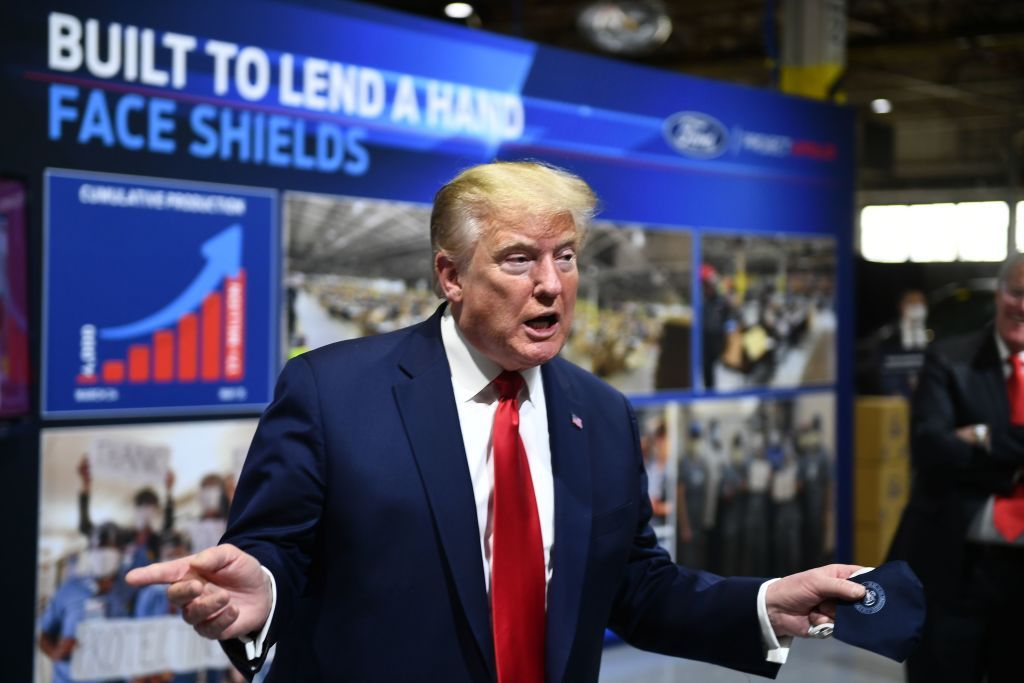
(223, 254)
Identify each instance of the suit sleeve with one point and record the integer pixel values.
(939, 407)
(275, 515)
(667, 608)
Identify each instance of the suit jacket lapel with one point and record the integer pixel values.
(431, 420)
(571, 471)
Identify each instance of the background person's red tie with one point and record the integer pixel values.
(517, 559)
(1008, 511)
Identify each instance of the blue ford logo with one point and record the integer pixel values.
(696, 135)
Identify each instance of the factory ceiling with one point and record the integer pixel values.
(953, 71)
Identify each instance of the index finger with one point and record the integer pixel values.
(159, 572)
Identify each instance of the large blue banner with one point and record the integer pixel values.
(359, 103)
(370, 103)
(160, 297)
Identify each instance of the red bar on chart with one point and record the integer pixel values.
(113, 371)
(163, 356)
(87, 379)
(213, 328)
(138, 363)
(188, 348)
(234, 327)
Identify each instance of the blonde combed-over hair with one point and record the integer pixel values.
(481, 196)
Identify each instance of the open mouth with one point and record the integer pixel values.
(543, 322)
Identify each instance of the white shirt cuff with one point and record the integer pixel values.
(777, 647)
(254, 646)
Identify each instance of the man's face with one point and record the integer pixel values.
(1010, 309)
(514, 299)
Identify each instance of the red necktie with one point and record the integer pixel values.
(1015, 390)
(517, 560)
(1008, 511)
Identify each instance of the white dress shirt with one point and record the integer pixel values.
(1004, 355)
(477, 402)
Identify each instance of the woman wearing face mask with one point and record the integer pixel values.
(144, 546)
(91, 592)
(143, 542)
(207, 530)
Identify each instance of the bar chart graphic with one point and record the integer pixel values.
(197, 337)
(176, 310)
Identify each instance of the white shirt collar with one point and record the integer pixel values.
(1004, 350)
(472, 371)
(1004, 353)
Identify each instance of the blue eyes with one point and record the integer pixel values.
(522, 259)
(521, 264)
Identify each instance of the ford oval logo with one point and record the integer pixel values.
(696, 135)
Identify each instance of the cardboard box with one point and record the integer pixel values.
(881, 428)
(880, 489)
(881, 466)
(871, 543)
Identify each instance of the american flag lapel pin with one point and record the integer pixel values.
(577, 421)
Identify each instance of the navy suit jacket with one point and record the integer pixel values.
(961, 383)
(356, 494)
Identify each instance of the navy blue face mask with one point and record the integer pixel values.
(889, 618)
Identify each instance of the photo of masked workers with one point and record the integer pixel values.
(786, 514)
(656, 442)
(754, 484)
(816, 462)
(719, 321)
(94, 589)
(112, 499)
(692, 482)
(768, 315)
(732, 498)
(205, 532)
(141, 539)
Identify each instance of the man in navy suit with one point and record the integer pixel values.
(369, 532)
(967, 456)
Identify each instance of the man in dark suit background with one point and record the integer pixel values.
(967, 452)
(381, 531)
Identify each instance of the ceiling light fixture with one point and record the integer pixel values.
(881, 106)
(458, 10)
(628, 27)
